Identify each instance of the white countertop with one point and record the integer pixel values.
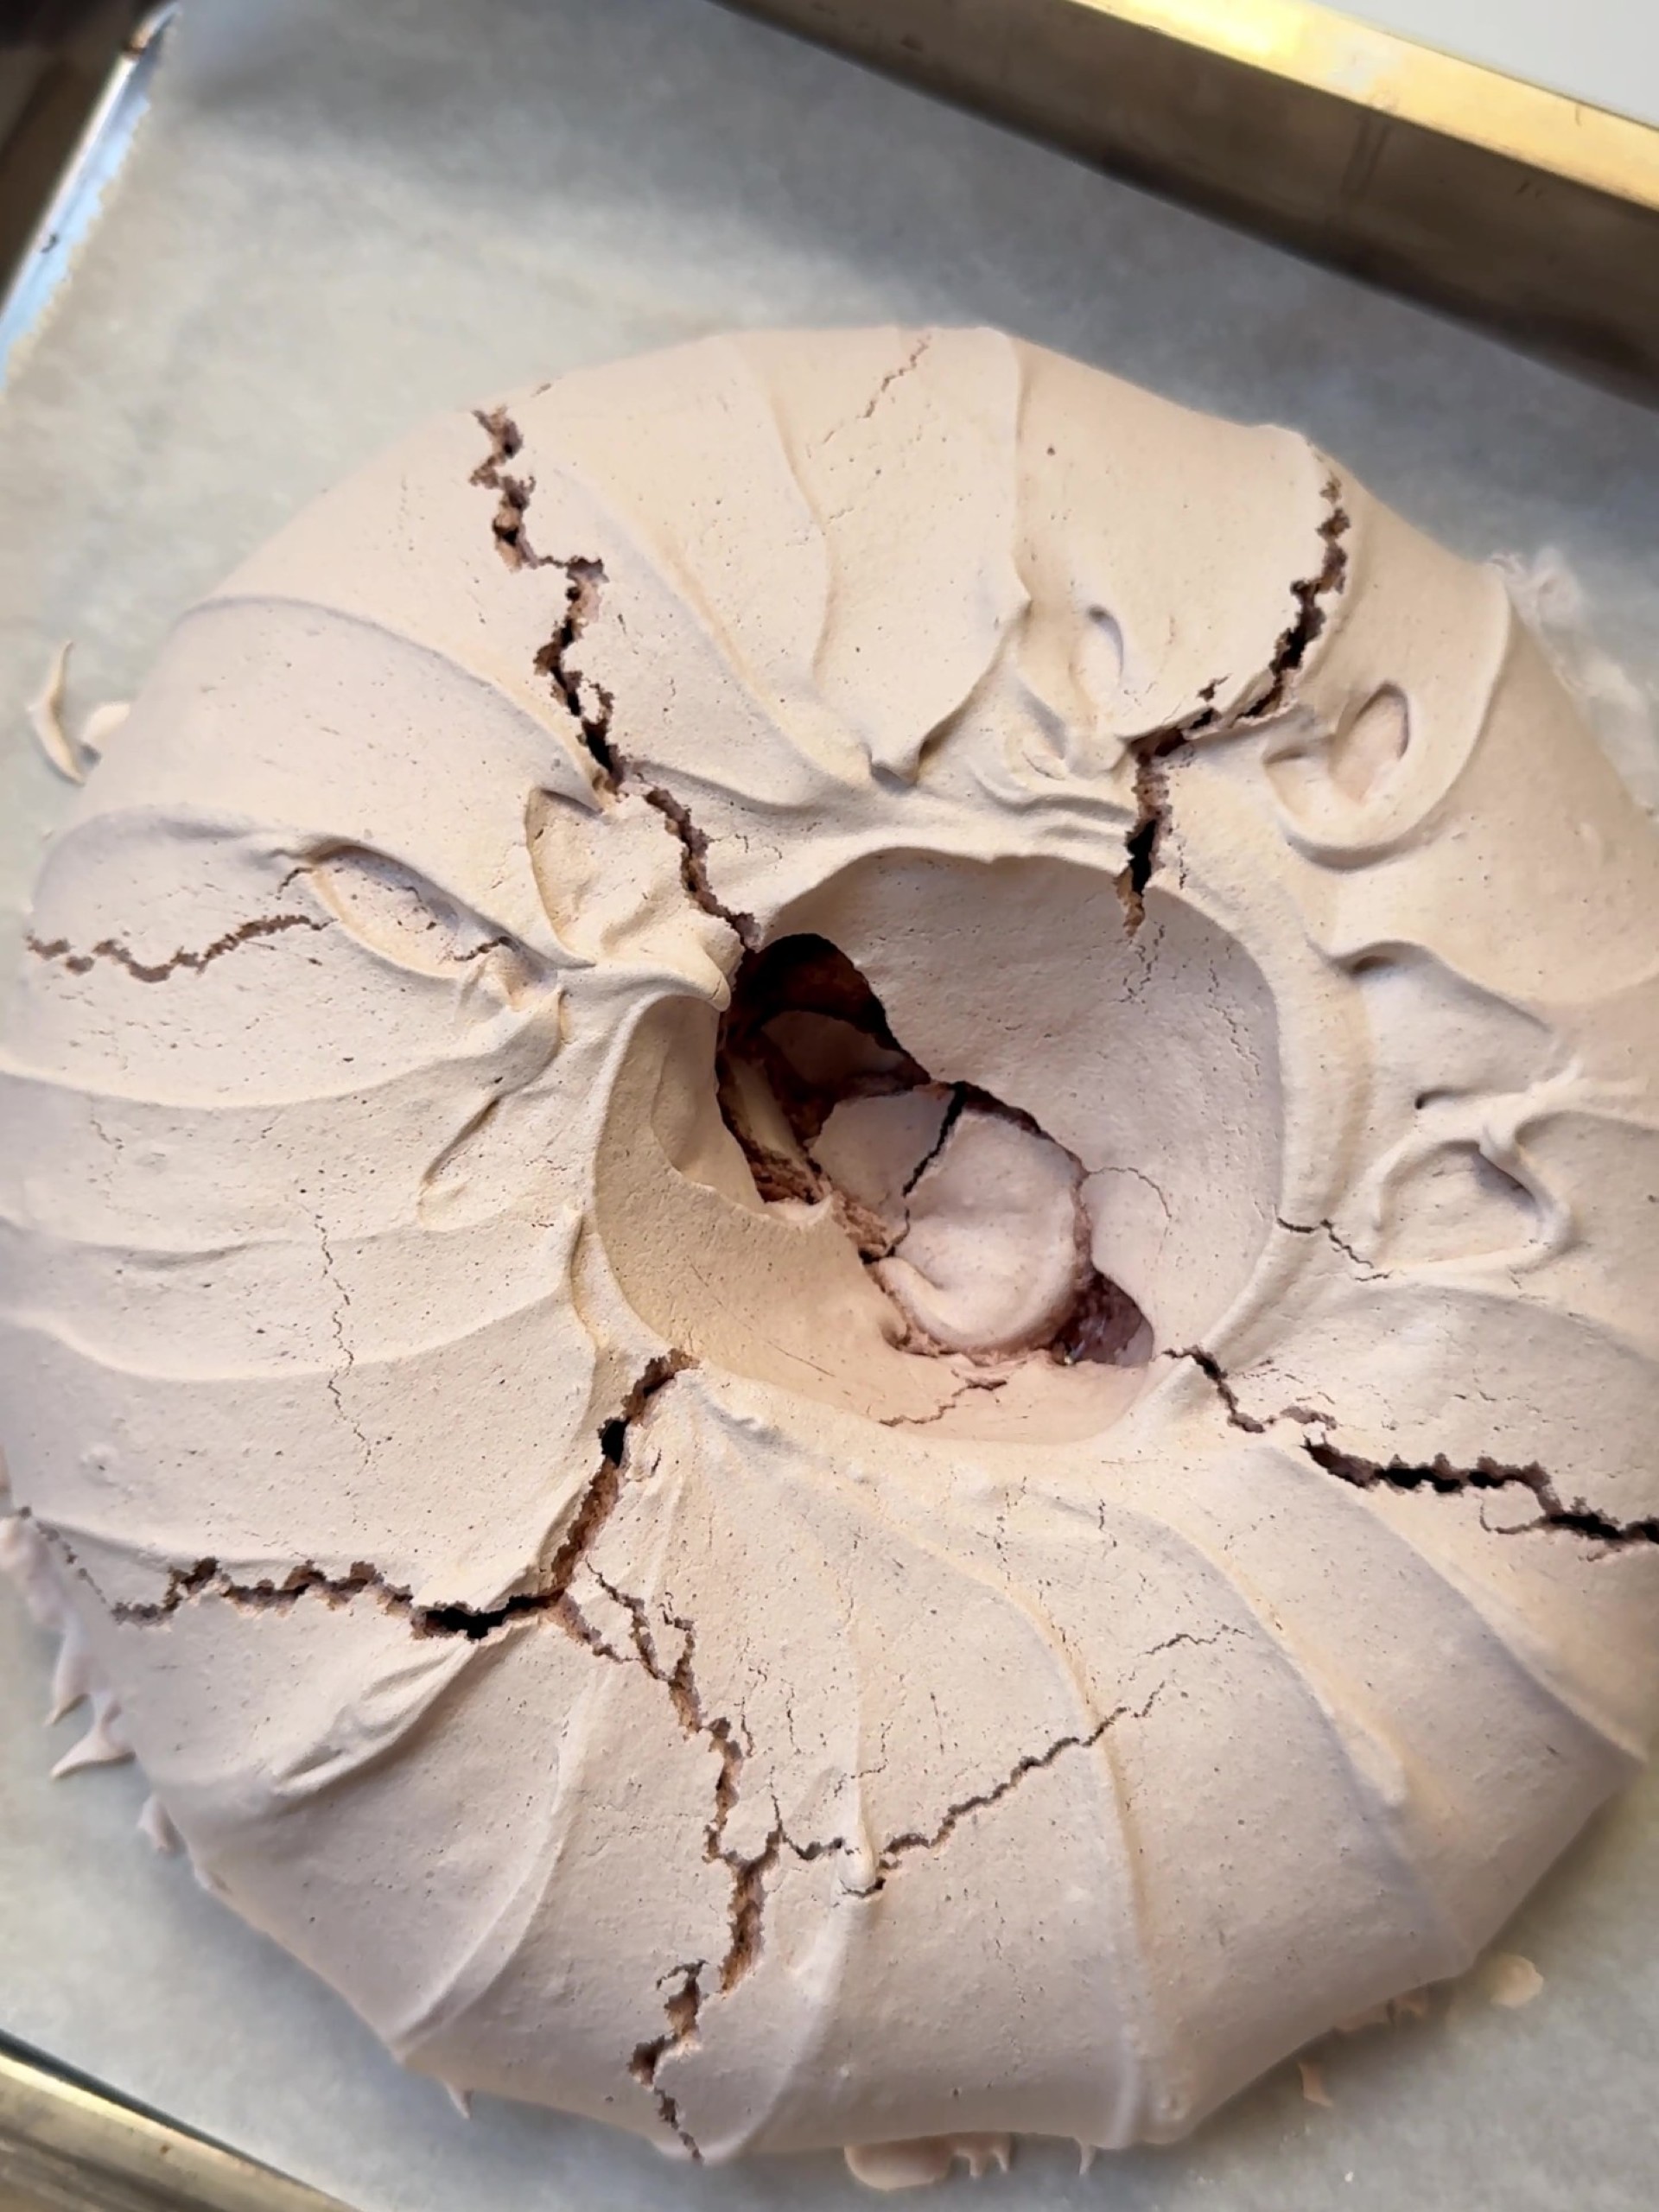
(338, 218)
(1602, 51)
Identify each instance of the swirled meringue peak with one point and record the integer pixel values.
(829, 1294)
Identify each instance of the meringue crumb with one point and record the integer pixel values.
(926, 2159)
(1313, 2086)
(1510, 1980)
(45, 712)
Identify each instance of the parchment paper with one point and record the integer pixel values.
(340, 218)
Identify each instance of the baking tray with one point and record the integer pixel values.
(1528, 210)
(67, 128)
(339, 219)
(56, 58)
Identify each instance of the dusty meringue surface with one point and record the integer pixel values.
(827, 1249)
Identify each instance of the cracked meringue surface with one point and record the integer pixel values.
(829, 1283)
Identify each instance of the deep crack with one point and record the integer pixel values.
(1151, 807)
(547, 1595)
(584, 578)
(589, 703)
(746, 1908)
(1310, 594)
(592, 707)
(1577, 1519)
(1208, 1364)
(513, 492)
(1151, 821)
(680, 2010)
(1439, 1474)
(109, 948)
(748, 1874)
(694, 865)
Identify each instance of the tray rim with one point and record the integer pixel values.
(1325, 50)
(68, 2145)
(1516, 206)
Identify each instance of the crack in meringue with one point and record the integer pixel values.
(1578, 1519)
(514, 492)
(1311, 594)
(583, 579)
(111, 949)
(694, 858)
(1151, 824)
(348, 1358)
(1370, 1272)
(680, 2009)
(899, 1847)
(205, 1578)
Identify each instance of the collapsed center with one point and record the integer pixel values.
(966, 1212)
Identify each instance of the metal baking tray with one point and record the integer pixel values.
(1533, 212)
(337, 219)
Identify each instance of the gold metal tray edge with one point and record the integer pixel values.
(1534, 214)
(65, 2146)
